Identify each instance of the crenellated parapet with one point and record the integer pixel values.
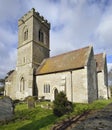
(37, 15)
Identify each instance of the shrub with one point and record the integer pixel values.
(62, 105)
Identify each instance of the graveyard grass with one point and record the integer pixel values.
(42, 118)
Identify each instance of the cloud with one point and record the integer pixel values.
(7, 63)
(104, 32)
(8, 58)
(79, 25)
(8, 36)
(74, 24)
(11, 9)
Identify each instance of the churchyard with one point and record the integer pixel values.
(40, 115)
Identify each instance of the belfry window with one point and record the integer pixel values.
(25, 34)
(22, 85)
(41, 36)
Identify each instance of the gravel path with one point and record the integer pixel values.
(101, 120)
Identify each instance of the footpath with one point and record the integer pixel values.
(100, 120)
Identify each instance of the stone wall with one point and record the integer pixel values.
(73, 83)
(92, 78)
(79, 80)
(10, 86)
(102, 88)
(60, 81)
(25, 72)
(102, 76)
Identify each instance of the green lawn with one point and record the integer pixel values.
(42, 118)
(31, 119)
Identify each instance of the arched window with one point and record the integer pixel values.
(22, 85)
(41, 36)
(25, 33)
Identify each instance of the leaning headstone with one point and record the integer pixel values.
(6, 109)
(31, 102)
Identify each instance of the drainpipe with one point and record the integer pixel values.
(65, 85)
(71, 87)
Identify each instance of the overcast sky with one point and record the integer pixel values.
(74, 24)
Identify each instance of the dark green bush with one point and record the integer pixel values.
(62, 105)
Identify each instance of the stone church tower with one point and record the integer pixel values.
(33, 47)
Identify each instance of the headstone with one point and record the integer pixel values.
(31, 102)
(6, 109)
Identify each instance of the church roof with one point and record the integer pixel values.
(68, 61)
(99, 61)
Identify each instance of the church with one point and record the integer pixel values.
(79, 73)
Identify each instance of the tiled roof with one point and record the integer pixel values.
(67, 61)
(99, 61)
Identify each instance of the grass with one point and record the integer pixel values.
(43, 119)
(30, 119)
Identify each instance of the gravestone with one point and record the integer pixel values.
(6, 109)
(31, 102)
